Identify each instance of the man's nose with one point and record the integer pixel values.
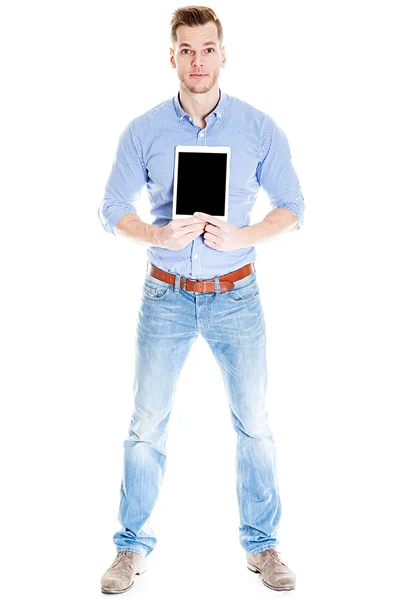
(197, 61)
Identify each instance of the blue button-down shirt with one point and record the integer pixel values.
(260, 156)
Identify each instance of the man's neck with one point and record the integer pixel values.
(198, 106)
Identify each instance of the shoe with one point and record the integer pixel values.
(274, 573)
(120, 577)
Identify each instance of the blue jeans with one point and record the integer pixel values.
(232, 322)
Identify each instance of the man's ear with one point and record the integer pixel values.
(223, 60)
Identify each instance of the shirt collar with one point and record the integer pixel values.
(218, 110)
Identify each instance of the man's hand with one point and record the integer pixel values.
(178, 233)
(222, 235)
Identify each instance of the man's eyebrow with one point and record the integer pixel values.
(189, 46)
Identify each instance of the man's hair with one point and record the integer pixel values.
(194, 15)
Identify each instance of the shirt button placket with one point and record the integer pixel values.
(195, 266)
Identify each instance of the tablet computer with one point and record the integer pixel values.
(201, 181)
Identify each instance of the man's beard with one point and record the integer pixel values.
(200, 90)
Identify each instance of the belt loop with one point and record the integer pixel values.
(217, 286)
(177, 283)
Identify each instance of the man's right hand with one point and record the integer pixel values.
(178, 233)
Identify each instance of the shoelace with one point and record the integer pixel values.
(123, 553)
(275, 553)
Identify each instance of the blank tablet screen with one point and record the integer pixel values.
(201, 183)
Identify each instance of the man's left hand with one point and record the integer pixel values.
(222, 235)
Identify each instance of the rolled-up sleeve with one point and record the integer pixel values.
(275, 172)
(126, 180)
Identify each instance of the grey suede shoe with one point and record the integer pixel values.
(274, 573)
(120, 577)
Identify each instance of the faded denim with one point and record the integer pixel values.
(169, 321)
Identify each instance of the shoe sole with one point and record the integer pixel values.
(255, 570)
(126, 589)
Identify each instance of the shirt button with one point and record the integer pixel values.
(195, 255)
(201, 134)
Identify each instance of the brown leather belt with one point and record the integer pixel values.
(226, 282)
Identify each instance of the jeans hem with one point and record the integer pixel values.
(264, 547)
(133, 549)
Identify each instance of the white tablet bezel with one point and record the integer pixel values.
(217, 149)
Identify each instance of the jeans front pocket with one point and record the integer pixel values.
(245, 290)
(155, 289)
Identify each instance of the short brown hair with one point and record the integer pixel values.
(194, 15)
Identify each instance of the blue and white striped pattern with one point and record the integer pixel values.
(260, 156)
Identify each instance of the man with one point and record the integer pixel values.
(201, 279)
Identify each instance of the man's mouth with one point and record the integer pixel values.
(199, 76)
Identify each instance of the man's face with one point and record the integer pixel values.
(192, 55)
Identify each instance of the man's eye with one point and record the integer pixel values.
(186, 49)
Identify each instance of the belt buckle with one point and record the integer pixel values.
(200, 282)
(184, 281)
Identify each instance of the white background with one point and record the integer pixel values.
(74, 75)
